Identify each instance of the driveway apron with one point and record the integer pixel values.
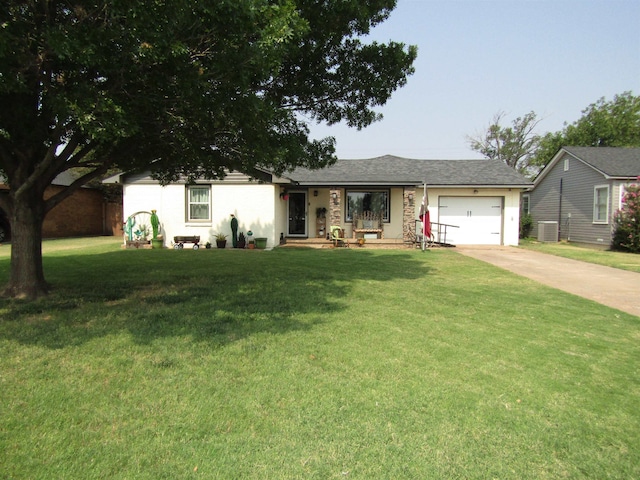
(613, 287)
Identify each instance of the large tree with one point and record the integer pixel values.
(614, 123)
(513, 145)
(186, 87)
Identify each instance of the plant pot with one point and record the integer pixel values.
(261, 242)
(241, 244)
(221, 243)
(157, 243)
(252, 245)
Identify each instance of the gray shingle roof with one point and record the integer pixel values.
(64, 179)
(392, 170)
(611, 161)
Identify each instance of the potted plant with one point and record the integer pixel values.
(250, 242)
(242, 240)
(207, 245)
(321, 212)
(141, 233)
(221, 240)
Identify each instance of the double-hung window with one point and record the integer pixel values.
(376, 201)
(198, 203)
(601, 204)
(526, 203)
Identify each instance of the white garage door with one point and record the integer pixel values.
(479, 220)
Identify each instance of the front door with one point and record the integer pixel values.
(297, 214)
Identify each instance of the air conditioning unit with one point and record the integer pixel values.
(547, 231)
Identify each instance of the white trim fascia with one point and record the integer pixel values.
(401, 185)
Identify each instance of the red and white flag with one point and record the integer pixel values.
(424, 216)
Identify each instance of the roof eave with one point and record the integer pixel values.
(411, 184)
(480, 185)
(343, 183)
(112, 179)
(622, 178)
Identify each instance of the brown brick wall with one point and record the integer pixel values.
(82, 214)
(113, 219)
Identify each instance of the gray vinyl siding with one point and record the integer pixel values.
(577, 200)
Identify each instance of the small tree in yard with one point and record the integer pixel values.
(182, 88)
(626, 235)
(514, 145)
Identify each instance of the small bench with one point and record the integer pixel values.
(367, 222)
(180, 240)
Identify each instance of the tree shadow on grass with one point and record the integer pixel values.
(213, 296)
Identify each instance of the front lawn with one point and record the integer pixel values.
(296, 363)
(586, 253)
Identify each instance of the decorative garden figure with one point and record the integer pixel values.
(155, 223)
(234, 231)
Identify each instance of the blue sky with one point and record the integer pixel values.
(479, 57)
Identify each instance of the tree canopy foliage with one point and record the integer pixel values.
(614, 123)
(190, 88)
(514, 145)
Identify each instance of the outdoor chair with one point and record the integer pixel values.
(338, 238)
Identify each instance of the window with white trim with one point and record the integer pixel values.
(198, 203)
(622, 193)
(376, 201)
(601, 204)
(526, 202)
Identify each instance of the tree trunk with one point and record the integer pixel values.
(27, 274)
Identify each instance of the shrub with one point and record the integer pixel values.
(626, 221)
(526, 224)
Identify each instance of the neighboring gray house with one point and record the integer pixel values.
(576, 195)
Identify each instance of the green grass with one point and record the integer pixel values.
(295, 363)
(586, 253)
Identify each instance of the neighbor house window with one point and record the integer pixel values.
(199, 203)
(359, 201)
(525, 203)
(566, 164)
(601, 204)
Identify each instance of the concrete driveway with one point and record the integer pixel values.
(613, 287)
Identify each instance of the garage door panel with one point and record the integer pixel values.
(479, 220)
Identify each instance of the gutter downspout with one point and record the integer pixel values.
(560, 211)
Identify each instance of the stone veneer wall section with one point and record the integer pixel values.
(408, 215)
(335, 211)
